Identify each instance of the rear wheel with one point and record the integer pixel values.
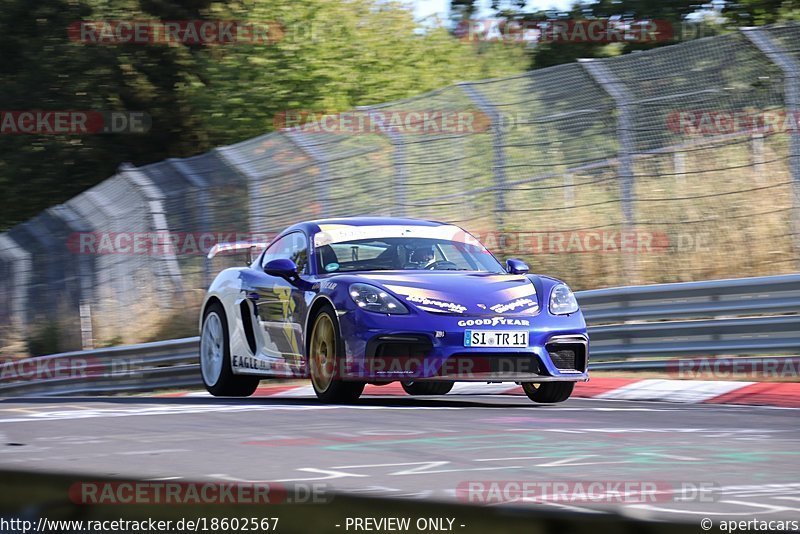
(427, 388)
(548, 392)
(215, 358)
(325, 356)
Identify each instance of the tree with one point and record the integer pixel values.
(760, 12)
(331, 56)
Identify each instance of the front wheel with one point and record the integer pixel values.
(427, 388)
(324, 359)
(548, 392)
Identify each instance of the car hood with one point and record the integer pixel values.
(460, 293)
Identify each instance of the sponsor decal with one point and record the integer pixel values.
(513, 305)
(449, 306)
(494, 321)
(248, 362)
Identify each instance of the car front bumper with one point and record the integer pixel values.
(431, 347)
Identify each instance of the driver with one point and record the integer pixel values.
(422, 256)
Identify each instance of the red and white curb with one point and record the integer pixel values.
(784, 394)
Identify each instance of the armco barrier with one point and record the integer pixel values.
(630, 328)
(735, 316)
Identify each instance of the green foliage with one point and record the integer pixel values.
(333, 56)
(690, 19)
(760, 12)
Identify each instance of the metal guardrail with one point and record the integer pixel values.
(736, 316)
(125, 369)
(674, 321)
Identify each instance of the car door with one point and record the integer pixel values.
(280, 303)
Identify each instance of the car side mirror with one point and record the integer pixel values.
(515, 266)
(283, 267)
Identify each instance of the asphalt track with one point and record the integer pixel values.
(723, 461)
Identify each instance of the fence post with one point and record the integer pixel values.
(790, 67)
(154, 198)
(322, 183)
(254, 215)
(203, 209)
(20, 261)
(400, 173)
(627, 146)
(85, 266)
(498, 149)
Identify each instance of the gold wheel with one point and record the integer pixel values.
(323, 353)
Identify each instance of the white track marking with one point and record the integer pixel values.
(158, 451)
(562, 506)
(470, 388)
(569, 462)
(687, 391)
(768, 508)
(330, 474)
(301, 391)
(424, 468)
(509, 459)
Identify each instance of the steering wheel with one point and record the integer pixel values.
(442, 265)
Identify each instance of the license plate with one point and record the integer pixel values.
(495, 338)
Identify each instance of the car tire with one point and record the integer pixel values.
(427, 388)
(548, 392)
(325, 357)
(215, 358)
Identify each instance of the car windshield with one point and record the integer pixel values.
(404, 253)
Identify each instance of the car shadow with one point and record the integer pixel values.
(497, 402)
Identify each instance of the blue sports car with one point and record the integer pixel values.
(363, 300)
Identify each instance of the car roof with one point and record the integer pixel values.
(312, 227)
(373, 221)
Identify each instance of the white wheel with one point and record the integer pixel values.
(212, 349)
(215, 358)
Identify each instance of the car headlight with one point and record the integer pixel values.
(375, 299)
(562, 300)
